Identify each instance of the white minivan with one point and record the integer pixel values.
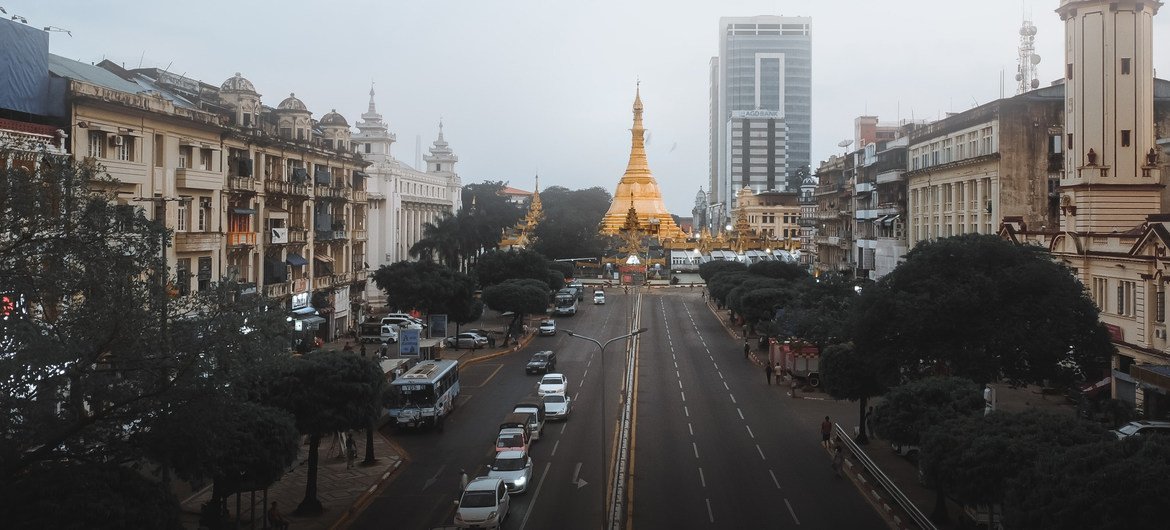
(598, 297)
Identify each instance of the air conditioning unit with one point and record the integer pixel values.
(117, 140)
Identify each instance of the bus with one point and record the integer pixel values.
(566, 303)
(424, 395)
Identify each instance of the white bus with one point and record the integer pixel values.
(424, 395)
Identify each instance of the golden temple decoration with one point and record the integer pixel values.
(638, 191)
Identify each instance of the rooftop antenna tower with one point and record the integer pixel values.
(1026, 74)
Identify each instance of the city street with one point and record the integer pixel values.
(713, 445)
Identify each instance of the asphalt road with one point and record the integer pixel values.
(714, 446)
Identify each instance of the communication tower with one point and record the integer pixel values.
(1026, 75)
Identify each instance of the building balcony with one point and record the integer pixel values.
(359, 235)
(198, 179)
(277, 187)
(330, 192)
(361, 276)
(242, 184)
(241, 239)
(344, 277)
(297, 234)
(360, 196)
(863, 187)
(300, 285)
(197, 241)
(893, 175)
(277, 290)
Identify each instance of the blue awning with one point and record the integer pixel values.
(244, 211)
(296, 260)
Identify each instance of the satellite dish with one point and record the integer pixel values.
(1035, 83)
(845, 143)
(1035, 59)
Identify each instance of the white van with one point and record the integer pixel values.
(401, 322)
(598, 297)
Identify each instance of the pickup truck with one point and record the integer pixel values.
(523, 420)
(534, 406)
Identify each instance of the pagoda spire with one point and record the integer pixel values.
(638, 164)
(372, 110)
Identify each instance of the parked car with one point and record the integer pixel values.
(1142, 428)
(514, 468)
(484, 504)
(548, 327)
(543, 362)
(466, 340)
(407, 316)
(401, 322)
(557, 406)
(512, 439)
(551, 384)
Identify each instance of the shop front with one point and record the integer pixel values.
(304, 321)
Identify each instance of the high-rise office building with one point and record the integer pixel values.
(763, 72)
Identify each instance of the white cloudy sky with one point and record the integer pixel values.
(528, 86)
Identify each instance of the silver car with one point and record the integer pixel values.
(514, 468)
(557, 406)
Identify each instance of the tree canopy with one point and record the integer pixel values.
(908, 410)
(713, 268)
(489, 211)
(520, 296)
(425, 286)
(1112, 485)
(569, 228)
(849, 373)
(984, 308)
(499, 265)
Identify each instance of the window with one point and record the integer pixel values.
(987, 143)
(181, 223)
(1125, 138)
(1068, 71)
(205, 159)
(124, 148)
(367, 148)
(184, 157)
(202, 221)
(97, 144)
(1125, 290)
(1070, 140)
(183, 276)
(1100, 290)
(247, 120)
(159, 150)
(1160, 306)
(204, 274)
(1125, 66)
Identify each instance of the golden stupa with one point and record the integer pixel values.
(638, 191)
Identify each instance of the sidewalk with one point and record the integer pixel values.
(341, 491)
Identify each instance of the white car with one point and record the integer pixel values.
(484, 504)
(467, 340)
(552, 384)
(548, 327)
(557, 406)
(514, 468)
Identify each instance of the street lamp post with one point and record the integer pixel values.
(605, 501)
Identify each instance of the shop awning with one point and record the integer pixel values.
(296, 260)
(244, 211)
(311, 322)
(307, 310)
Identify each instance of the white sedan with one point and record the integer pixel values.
(557, 406)
(467, 340)
(552, 384)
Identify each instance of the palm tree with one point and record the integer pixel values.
(440, 242)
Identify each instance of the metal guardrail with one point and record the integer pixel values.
(908, 507)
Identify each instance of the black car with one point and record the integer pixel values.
(542, 362)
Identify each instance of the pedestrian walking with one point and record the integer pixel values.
(793, 387)
(350, 451)
(768, 371)
(838, 459)
(747, 349)
(491, 341)
(385, 346)
(826, 430)
(462, 480)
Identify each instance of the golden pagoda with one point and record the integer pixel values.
(638, 191)
(523, 234)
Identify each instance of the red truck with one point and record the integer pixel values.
(797, 358)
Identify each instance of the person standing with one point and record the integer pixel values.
(838, 459)
(826, 430)
(363, 350)
(768, 372)
(462, 480)
(747, 349)
(350, 451)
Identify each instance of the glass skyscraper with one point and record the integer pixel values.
(764, 64)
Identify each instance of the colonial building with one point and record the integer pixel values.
(1112, 230)
(774, 215)
(638, 191)
(402, 199)
(833, 219)
(879, 207)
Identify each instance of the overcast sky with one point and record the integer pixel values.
(545, 86)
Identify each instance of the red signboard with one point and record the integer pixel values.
(1116, 334)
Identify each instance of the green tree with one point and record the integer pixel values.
(820, 311)
(709, 270)
(780, 270)
(848, 373)
(520, 296)
(976, 458)
(721, 285)
(492, 212)
(908, 410)
(1104, 485)
(89, 495)
(327, 392)
(984, 308)
(499, 265)
(571, 218)
(239, 445)
(425, 286)
(563, 267)
(441, 241)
